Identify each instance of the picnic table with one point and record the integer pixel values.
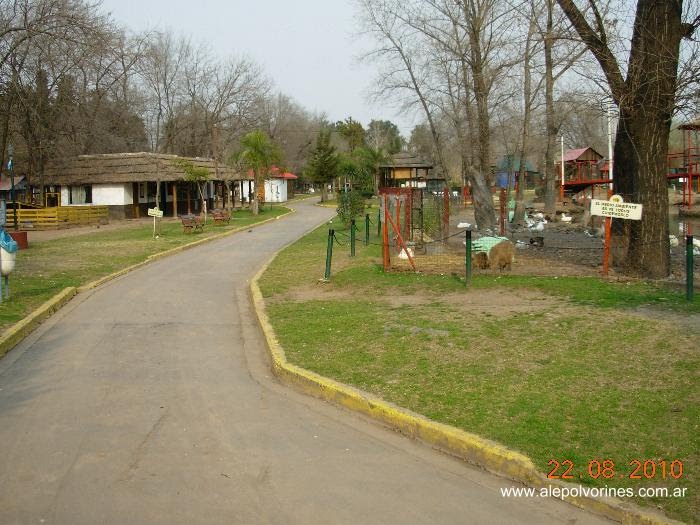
(192, 222)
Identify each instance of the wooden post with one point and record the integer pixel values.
(446, 213)
(689, 267)
(606, 246)
(385, 235)
(189, 201)
(174, 200)
(502, 207)
(398, 211)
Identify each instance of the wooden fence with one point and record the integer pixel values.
(58, 217)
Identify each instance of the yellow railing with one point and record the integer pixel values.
(58, 217)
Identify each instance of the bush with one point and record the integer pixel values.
(351, 204)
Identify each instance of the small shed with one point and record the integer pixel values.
(508, 169)
(279, 187)
(406, 170)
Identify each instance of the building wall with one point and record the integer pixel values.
(112, 194)
(276, 190)
(403, 173)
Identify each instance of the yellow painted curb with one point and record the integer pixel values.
(13, 335)
(23, 328)
(482, 452)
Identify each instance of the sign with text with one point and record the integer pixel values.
(617, 210)
(155, 212)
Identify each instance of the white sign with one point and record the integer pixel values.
(618, 210)
(155, 212)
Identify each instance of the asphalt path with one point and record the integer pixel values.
(150, 400)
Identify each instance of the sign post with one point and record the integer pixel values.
(618, 209)
(155, 212)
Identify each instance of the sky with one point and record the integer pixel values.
(309, 48)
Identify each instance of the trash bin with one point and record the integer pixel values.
(8, 252)
(21, 238)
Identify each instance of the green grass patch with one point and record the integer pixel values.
(46, 268)
(561, 369)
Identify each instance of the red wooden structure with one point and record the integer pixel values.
(686, 164)
(583, 168)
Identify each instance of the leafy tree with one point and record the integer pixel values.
(352, 131)
(324, 162)
(384, 135)
(258, 153)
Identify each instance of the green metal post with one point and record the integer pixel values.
(352, 237)
(689, 267)
(329, 254)
(379, 222)
(468, 257)
(367, 229)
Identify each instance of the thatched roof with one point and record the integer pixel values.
(404, 159)
(130, 167)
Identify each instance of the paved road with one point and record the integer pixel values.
(149, 400)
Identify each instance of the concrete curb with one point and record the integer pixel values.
(13, 335)
(479, 451)
(23, 328)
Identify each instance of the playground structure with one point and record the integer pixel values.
(584, 168)
(685, 165)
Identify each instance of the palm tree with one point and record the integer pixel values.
(258, 153)
(369, 160)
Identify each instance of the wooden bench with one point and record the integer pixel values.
(221, 216)
(191, 222)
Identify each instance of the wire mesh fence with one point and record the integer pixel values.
(427, 232)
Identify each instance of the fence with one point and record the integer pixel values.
(58, 217)
(429, 234)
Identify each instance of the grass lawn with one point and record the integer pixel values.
(560, 369)
(46, 268)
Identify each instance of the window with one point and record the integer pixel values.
(80, 194)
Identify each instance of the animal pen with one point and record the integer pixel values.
(415, 230)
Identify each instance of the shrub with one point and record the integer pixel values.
(351, 204)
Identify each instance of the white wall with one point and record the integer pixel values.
(103, 195)
(112, 194)
(276, 190)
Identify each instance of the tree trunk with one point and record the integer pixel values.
(641, 144)
(484, 211)
(550, 195)
(519, 212)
